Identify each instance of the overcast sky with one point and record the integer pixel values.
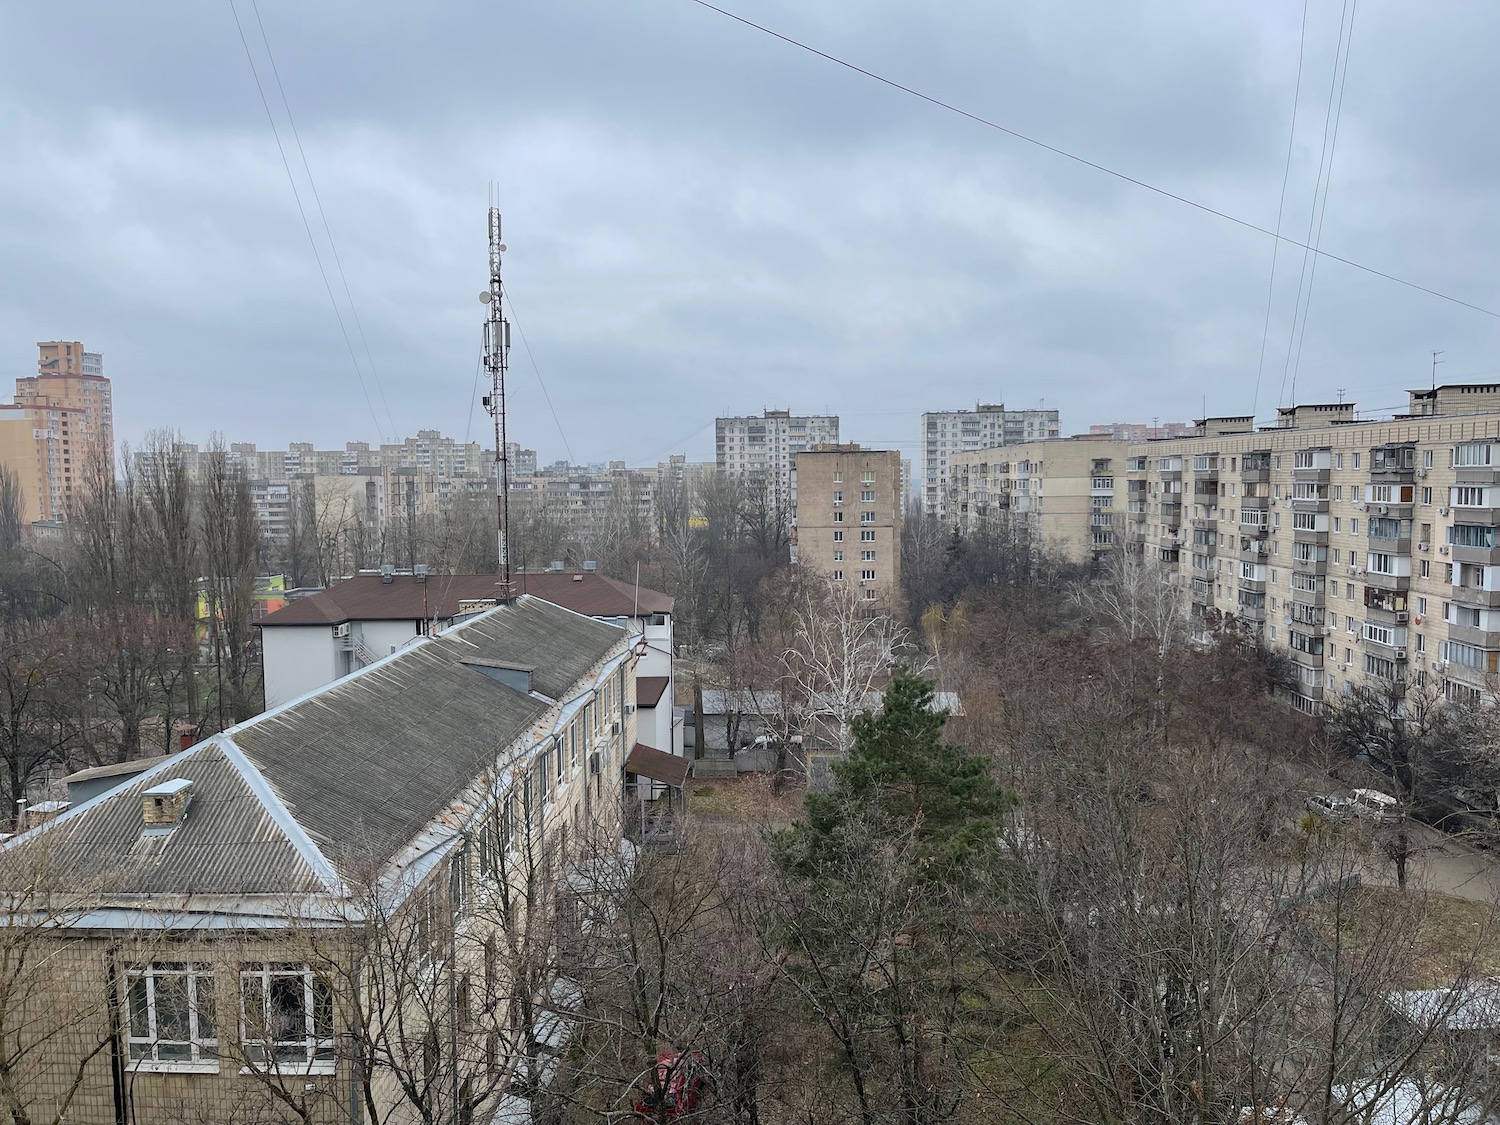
(703, 220)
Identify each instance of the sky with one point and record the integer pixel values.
(702, 219)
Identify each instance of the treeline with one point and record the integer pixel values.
(131, 626)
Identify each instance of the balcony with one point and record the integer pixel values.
(1252, 612)
(1306, 659)
(1310, 565)
(1479, 556)
(1473, 635)
(1392, 582)
(1255, 503)
(1255, 467)
(1253, 549)
(1253, 585)
(1310, 535)
(1477, 597)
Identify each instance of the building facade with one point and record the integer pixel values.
(1366, 551)
(1063, 494)
(60, 424)
(268, 925)
(987, 426)
(763, 449)
(848, 518)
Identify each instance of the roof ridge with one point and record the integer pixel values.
(281, 815)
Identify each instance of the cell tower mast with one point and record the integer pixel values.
(496, 357)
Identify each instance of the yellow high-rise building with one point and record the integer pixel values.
(61, 418)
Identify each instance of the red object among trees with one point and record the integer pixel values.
(676, 1088)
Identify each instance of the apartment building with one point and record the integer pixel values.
(987, 426)
(1367, 551)
(1141, 431)
(1064, 495)
(60, 420)
(268, 925)
(763, 449)
(848, 518)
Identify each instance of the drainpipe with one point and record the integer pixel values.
(116, 1057)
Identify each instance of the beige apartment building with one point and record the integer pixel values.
(1060, 493)
(1365, 550)
(287, 919)
(848, 518)
(60, 419)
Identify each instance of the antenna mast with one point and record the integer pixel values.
(496, 355)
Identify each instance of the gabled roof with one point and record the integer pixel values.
(649, 690)
(367, 597)
(347, 777)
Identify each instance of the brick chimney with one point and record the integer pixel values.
(163, 806)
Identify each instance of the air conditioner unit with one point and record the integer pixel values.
(1400, 619)
(1360, 505)
(1442, 550)
(630, 708)
(1442, 511)
(1423, 472)
(1400, 654)
(342, 630)
(596, 763)
(614, 728)
(1384, 510)
(1424, 545)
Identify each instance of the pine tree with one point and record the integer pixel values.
(902, 774)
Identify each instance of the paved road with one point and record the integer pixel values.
(1443, 864)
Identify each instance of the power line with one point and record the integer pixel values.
(1325, 161)
(1129, 179)
(318, 199)
(1333, 145)
(306, 226)
(522, 333)
(1265, 329)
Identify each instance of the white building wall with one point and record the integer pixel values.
(297, 659)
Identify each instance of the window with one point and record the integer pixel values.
(867, 537)
(867, 576)
(867, 477)
(867, 556)
(1336, 523)
(1354, 527)
(170, 1009)
(1427, 459)
(838, 476)
(838, 497)
(1426, 569)
(1468, 496)
(1421, 606)
(866, 517)
(838, 556)
(1338, 492)
(1472, 454)
(1354, 458)
(286, 1017)
(1426, 495)
(838, 517)
(1471, 535)
(838, 536)
(1338, 460)
(838, 575)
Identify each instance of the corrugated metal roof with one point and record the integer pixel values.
(366, 597)
(347, 776)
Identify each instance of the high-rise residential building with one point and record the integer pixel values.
(987, 426)
(849, 518)
(1366, 552)
(762, 449)
(61, 420)
(1059, 494)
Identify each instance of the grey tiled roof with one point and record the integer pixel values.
(346, 776)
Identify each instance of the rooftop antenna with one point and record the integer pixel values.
(496, 355)
(1341, 396)
(1435, 362)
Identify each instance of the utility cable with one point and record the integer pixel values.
(1125, 177)
(1333, 145)
(313, 242)
(1286, 172)
(318, 199)
(1324, 162)
(515, 318)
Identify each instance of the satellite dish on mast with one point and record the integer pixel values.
(484, 298)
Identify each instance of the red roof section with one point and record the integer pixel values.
(648, 690)
(365, 597)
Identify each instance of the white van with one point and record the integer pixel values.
(1372, 804)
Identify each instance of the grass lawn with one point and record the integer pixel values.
(1434, 939)
(744, 798)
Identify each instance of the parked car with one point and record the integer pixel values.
(1331, 807)
(1373, 805)
(678, 1084)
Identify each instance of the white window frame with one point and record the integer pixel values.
(144, 1051)
(313, 1051)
